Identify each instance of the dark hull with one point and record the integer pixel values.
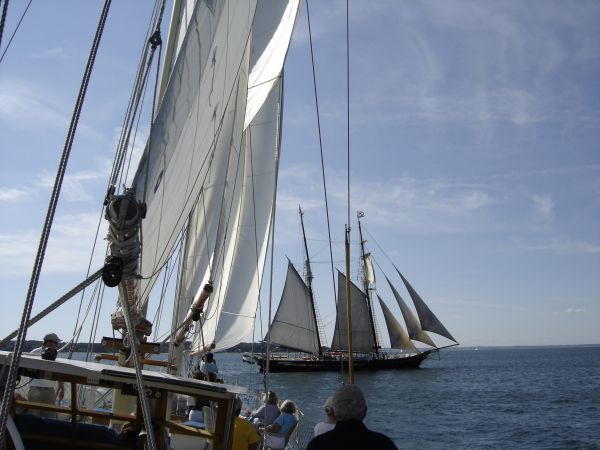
(279, 364)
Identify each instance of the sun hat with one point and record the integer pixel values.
(51, 337)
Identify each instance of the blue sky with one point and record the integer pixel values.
(474, 155)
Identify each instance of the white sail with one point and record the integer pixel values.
(294, 324)
(239, 247)
(369, 271)
(414, 328)
(428, 320)
(189, 125)
(398, 337)
(362, 333)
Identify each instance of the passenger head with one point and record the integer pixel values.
(238, 406)
(270, 398)
(349, 403)
(210, 357)
(51, 340)
(288, 406)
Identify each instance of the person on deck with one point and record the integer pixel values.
(208, 366)
(328, 423)
(277, 433)
(267, 413)
(41, 390)
(244, 434)
(350, 433)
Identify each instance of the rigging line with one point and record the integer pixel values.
(3, 18)
(273, 213)
(77, 331)
(322, 158)
(16, 28)
(12, 374)
(133, 99)
(348, 100)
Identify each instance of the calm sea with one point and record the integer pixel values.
(540, 398)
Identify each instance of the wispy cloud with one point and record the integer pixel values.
(565, 246)
(544, 205)
(68, 250)
(13, 194)
(571, 310)
(55, 53)
(75, 184)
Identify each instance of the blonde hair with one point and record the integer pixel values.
(288, 406)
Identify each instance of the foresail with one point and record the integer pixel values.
(189, 124)
(398, 337)
(414, 328)
(294, 325)
(428, 320)
(272, 44)
(362, 336)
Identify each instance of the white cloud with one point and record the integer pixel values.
(23, 103)
(55, 53)
(13, 194)
(68, 250)
(566, 246)
(574, 310)
(544, 205)
(75, 185)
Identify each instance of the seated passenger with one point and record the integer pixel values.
(244, 434)
(276, 434)
(328, 423)
(266, 414)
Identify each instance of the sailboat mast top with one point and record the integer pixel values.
(360, 214)
(309, 278)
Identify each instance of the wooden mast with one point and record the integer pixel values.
(309, 278)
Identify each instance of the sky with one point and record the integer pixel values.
(474, 154)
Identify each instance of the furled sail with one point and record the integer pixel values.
(428, 320)
(414, 328)
(294, 325)
(189, 124)
(398, 337)
(362, 335)
(369, 271)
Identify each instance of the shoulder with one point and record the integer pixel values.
(382, 440)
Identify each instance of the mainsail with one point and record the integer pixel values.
(294, 326)
(428, 320)
(362, 334)
(191, 125)
(229, 223)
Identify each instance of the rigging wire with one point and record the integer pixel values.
(3, 19)
(16, 28)
(322, 161)
(12, 374)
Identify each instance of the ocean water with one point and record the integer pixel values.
(534, 398)
(538, 398)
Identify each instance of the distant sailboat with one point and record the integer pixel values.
(295, 326)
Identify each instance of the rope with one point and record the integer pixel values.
(14, 32)
(12, 374)
(133, 341)
(3, 19)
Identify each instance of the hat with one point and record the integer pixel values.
(51, 337)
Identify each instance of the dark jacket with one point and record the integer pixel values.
(351, 435)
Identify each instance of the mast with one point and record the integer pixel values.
(309, 278)
(360, 214)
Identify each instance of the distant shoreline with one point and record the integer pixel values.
(258, 347)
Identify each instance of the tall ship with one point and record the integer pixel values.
(295, 326)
